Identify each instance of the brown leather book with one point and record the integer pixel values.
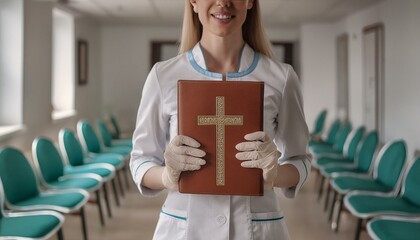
(218, 114)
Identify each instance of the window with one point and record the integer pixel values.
(63, 68)
(11, 66)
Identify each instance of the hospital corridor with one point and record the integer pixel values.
(92, 146)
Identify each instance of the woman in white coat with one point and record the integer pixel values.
(221, 40)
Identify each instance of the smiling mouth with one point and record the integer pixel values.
(223, 16)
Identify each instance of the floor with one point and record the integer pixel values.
(137, 216)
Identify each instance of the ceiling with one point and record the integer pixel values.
(169, 12)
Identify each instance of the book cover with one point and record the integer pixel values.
(218, 114)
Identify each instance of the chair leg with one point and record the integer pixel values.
(83, 218)
(114, 187)
(332, 206)
(316, 176)
(120, 182)
(321, 186)
(126, 173)
(327, 195)
(108, 206)
(336, 223)
(60, 235)
(358, 228)
(98, 201)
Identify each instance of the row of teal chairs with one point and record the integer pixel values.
(369, 180)
(58, 182)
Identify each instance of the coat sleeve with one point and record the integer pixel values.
(149, 137)
(292, 132)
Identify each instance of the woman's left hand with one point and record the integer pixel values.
(259, 152)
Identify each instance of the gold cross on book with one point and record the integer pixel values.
(220, 120)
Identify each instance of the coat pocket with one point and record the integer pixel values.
(172, 224)
(269, 226)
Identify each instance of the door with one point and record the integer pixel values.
(373, 99)
(163, 50)
(342, 77)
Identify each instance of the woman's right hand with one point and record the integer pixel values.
(182, 154)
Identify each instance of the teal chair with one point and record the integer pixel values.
(117, 134)
(107, 166)
(319, 123)
(50, 169)
(117, 130)
(331, 136)
(22, 191)
(349, 155)
(386, 175)
(349, 150)
(394, 228)
(362, 160)
(38, 224)
(365, 205)
(91, 143)
(336, 150)
(107, 137)
(343, 150)
(361, 165)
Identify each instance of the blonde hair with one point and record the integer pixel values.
(252, 30)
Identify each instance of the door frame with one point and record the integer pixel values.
(378, 30)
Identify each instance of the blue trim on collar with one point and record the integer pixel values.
(203, 71)
(247, 71)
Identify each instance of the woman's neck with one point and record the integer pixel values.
(222, 54)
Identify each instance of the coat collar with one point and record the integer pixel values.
(248, 62)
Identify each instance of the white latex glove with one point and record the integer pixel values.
(182, 154)
(259, 152)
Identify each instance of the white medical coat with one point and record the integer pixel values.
(195, 216)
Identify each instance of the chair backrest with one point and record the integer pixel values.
(390, 162)
(366, 151)
(88, 137)
(106, 135)
(411, 186)
(319, 122)
(70, 147)
(1, 200)
(352, 141)
(332, 132)
(16, 173)
(341, 137)
(47, 159)
(117, 131)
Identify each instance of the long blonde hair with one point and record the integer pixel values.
(252, 30)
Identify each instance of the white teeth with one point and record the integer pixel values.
(223, 16)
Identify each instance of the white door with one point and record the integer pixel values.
(373, 78)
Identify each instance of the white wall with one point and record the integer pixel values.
(88, 99)
(318, 71)
(125, 65)
(11, 61)
(402, 71)
(37, 53)
(353, 26)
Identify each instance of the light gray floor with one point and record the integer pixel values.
(137, 216)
